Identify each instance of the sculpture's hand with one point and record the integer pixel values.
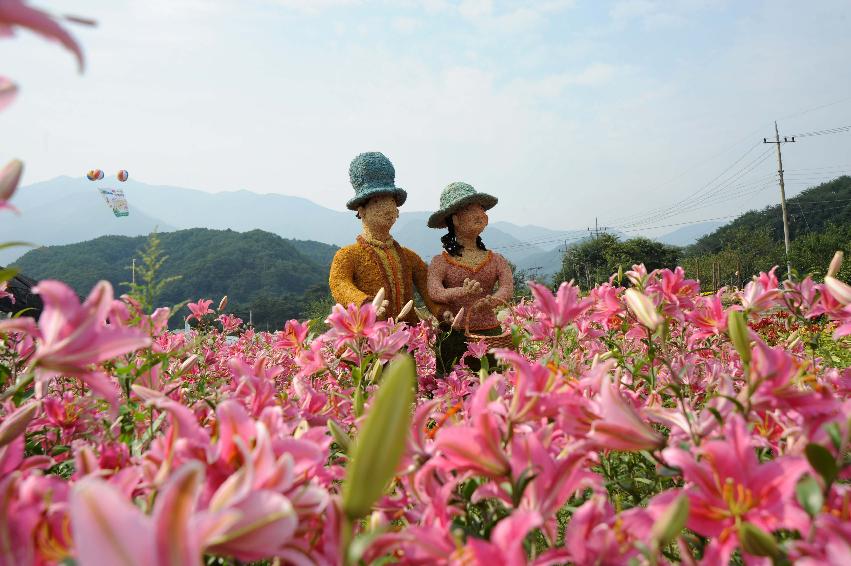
(471, 286)
(382, 308)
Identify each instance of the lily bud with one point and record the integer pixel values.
(358, 401)
(756, 541)
(840, 291)
(459, 319)
(382, 439)
(373, 374)
(620, 274)
(379, 298)
(188, 363)
(339, 435)
(671, 522)
(405, 310)
(737, 327)
(10, 175)
(15, 424)
(644, 309)
(223, 303)
(835, 264)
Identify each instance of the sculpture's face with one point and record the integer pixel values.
(470, 221)
(380, 212)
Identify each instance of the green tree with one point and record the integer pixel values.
(148, 291)
(593, 261)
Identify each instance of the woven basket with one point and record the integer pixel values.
(503, 340)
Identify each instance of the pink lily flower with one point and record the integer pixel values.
(728, 485)
(477, 448)
(555, 479)
(110, 530)
(200, 308)
(638, 276)
(230, 323)
(561, 309)
(71, 337)
(386, 341)
(293, 336)
(534, 384)
(761, 293)
(620, 427)
(708, 316)
(774, 372)
(608, 308)
(506, 544)
(595, 535)
(677, 290)
(352, 324)
(16, 13)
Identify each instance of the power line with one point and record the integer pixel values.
(628, 218)
(684, 205)
(828, 131)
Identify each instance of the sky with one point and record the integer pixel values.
(641, 114)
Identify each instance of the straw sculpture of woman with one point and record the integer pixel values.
(466, 275)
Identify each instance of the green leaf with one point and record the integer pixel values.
(835, 435)
(7, 273)
(381, 442)
(339, 435)
(526, 477)
(822, 461)
(809, 495)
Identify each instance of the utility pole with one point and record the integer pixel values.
(782, 193)
(134, 271)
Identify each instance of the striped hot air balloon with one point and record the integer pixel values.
(94, 175)
(122, 175)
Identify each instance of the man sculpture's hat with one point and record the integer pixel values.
(455, 197)
(372, 175)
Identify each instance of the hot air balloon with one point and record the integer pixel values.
(94, 175)
(122, 175)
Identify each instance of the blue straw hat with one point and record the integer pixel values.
(455, 197)
(372, 175)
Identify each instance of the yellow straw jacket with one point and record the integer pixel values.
(358, 271)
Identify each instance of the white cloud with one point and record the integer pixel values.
(596, 75)
(474, 9)
(405, 25)
(314, 6)
(510, 17)
(658, 14)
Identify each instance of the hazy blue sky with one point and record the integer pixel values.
(565, 110)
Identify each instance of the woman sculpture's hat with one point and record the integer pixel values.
(372, 175)
(455, 197)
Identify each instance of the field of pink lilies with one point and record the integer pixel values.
(640, 424)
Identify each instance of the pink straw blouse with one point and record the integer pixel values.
(445, 279)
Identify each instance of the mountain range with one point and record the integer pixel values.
(68, 210)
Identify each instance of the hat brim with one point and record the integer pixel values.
(362, 198)
(438, 219)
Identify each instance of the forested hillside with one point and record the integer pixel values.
(819, 224)
(259, 271)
